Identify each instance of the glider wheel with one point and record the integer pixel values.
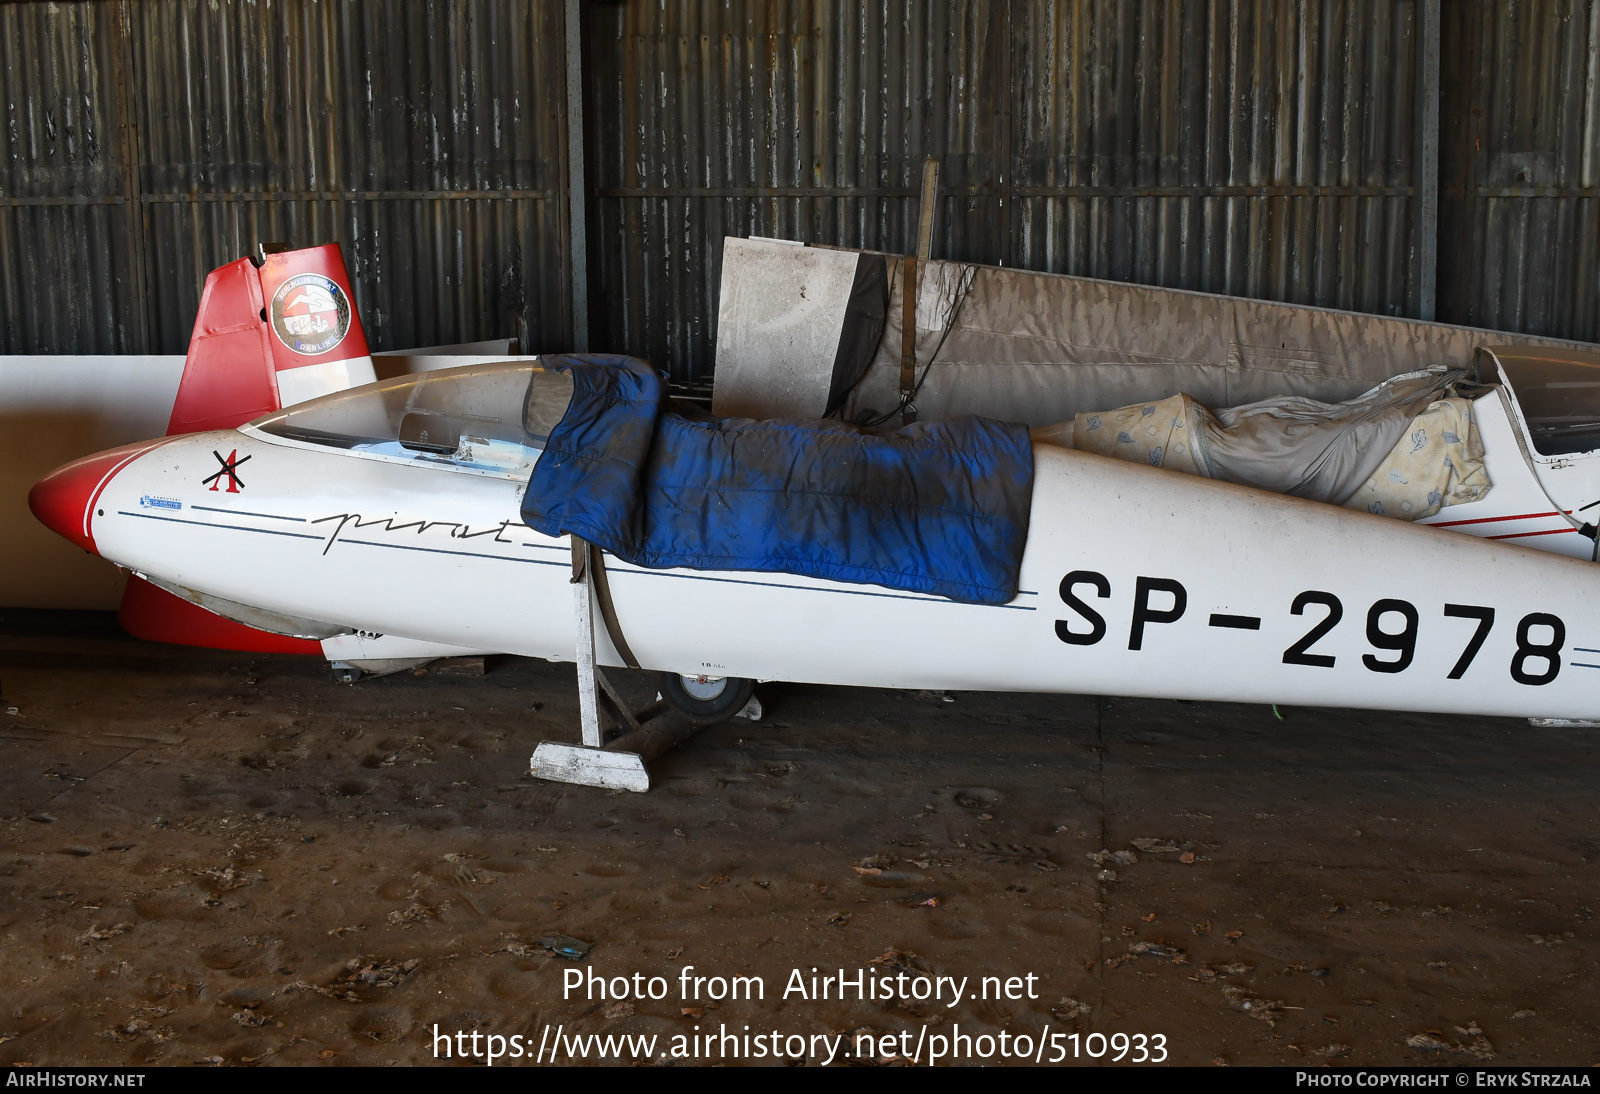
(707, 698)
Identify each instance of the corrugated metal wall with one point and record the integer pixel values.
(1520, 169)
(428, 139)
(1267, 148)
(1263, 149)
(1257, 149)
(797, 120)
(66, 225)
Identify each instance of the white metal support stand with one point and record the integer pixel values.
(583, 612)
(618, 765)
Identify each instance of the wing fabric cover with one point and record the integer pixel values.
(937, 507)
(1288, 444)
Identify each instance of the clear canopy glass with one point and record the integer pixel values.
(495, 417)
(1559, 394)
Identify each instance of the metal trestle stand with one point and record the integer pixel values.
(645, 734)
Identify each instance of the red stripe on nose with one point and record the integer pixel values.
(64, 499)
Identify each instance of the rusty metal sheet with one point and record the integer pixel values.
(1266, 148)
(64, 217)
(151, 142)
(1262, 149)
(1520, 167)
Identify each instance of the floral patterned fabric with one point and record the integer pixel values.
(1438, 462)
(1160, 434)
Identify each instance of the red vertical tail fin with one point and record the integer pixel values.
(268, 337)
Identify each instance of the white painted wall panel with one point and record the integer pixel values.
(54, 409)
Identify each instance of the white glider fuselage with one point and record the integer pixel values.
(1134, 582)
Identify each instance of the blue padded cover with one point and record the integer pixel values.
(937, 507)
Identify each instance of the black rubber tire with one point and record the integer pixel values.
(720, 708)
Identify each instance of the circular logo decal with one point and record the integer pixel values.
(310, 314)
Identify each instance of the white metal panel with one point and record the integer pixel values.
(780, 313)
(55, 409)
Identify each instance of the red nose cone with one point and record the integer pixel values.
(64, 499)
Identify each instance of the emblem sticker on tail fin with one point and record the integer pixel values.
(310, 314)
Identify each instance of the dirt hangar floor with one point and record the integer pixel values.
(223, 858)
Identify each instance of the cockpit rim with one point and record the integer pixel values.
(418, 459)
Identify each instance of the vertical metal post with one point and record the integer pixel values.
(1425, 203)
(578, 222)
(1591, 100)
(908, 339)
(583, 615)
(1007, 89)
(930, 206)
(132, 202)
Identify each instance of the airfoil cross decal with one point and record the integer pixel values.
(230, 468)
